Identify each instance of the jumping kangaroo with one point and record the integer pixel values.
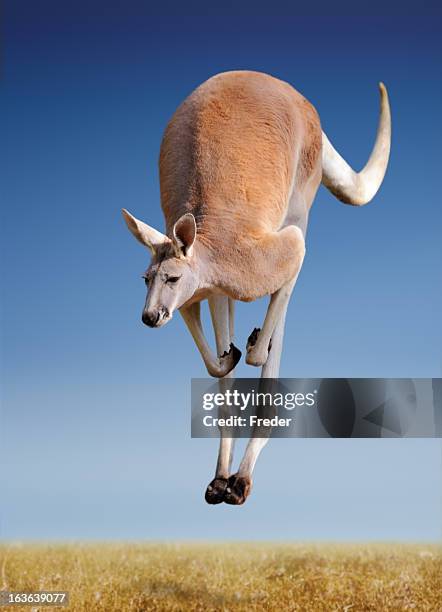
(240, 163)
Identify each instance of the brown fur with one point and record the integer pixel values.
(230, 155)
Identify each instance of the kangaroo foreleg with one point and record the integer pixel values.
(216, 366)
(258, 346)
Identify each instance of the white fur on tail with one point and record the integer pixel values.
(358, 188)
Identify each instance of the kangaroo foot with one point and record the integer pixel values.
(238, 489)
(216, 490)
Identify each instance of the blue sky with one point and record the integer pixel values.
(95, 407)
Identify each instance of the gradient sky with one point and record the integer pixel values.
(95, 407)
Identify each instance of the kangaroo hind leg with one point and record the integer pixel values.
(240, 484)
(222, 313)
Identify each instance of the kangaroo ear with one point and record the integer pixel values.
(145, 234)
(184, 234)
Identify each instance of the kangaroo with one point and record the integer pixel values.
(240, 163)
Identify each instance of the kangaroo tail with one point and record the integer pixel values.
(358, 188)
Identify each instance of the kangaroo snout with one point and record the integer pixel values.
(155, 318)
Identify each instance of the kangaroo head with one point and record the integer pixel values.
(172, 276)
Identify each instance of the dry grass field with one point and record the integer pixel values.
(234, 577)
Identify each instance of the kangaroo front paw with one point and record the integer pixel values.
(257, 352)
(251, 341)
(232, 357)
(238, 490)
(226, 362)
(216, 490)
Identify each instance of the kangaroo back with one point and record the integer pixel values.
(232, 152)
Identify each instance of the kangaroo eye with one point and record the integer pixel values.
(173, 279)
(146, 280)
